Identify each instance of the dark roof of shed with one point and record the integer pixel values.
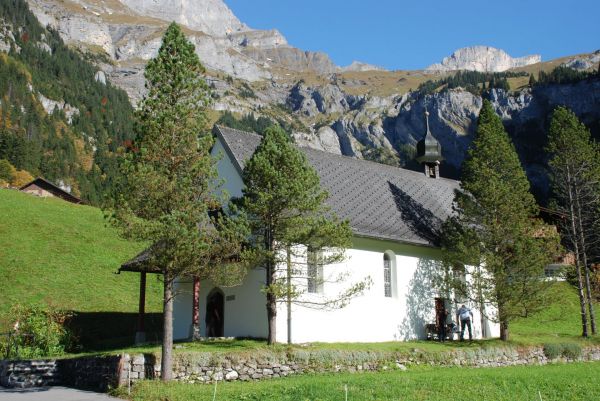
(140, 264)
(55, 190)
(380, 201)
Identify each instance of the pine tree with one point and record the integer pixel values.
(575, 174)
(496, 230)
(532, 81)
(168, 177)
(283, 200)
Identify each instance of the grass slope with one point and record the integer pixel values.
(63, 255)
(551, 382)
(560, 321)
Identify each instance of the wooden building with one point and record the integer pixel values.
(45, 189)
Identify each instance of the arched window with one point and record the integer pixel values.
(387, 275)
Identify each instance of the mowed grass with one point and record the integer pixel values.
(559, 321)
(60, 254)
(578, 381)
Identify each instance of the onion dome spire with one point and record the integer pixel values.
(429, 151)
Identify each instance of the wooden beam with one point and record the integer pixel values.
(140, 335)
(196, 309)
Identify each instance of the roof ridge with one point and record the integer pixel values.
(345, 157)
(374, 163)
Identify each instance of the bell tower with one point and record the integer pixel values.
(429, 152)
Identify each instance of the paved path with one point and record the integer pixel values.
(51, 394)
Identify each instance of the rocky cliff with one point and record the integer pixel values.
(128, 33)
(483, 59)
(361, 110)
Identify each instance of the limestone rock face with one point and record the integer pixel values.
(483, 59)
(129, 32)
(212, 17)
(359, 66)
(291, 58)
(585, 62)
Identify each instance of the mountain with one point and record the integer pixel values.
(360, 110)
(59, 117)
(482, 59)
(212, 17)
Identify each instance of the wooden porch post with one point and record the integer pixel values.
(140, 335)
(196, 309)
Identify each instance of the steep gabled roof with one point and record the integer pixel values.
(53, 189)
(380, 201)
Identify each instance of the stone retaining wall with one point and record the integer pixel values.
(28, 373)
(207, 368)
(90, 373)
(101, 373)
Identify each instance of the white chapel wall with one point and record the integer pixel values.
(370, 317)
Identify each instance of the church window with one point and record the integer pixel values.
(387, 275)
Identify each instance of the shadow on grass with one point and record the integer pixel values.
(105, 331)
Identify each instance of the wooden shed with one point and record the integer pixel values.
(45, 189)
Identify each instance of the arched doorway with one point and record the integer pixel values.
(214, 318)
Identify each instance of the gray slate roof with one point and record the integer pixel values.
(380, 201)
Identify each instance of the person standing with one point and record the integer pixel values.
(465, 315)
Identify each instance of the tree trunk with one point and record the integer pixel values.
(590, 299)
(289, 295)
(271, 300)
(575, 243)
(504, 335)
(166, 368)
(586, 267)
(272, 317)
(196, 309)
(482, 311)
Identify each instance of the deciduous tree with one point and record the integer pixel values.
(575, 174)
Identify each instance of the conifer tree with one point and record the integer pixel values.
(283, 201)
(495, 229)
(532, 81)
(167, 191)
(575, 174)
(7, 171)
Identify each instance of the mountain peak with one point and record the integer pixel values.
(483, 59)
(209, 16)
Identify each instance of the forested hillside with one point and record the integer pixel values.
(58, 119)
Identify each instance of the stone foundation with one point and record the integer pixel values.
(102, 373)
(208, 368)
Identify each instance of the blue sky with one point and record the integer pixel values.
(398, 34)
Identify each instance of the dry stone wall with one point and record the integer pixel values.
(103, 372)
(208, 368)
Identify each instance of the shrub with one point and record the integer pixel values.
(568, 350)
(21, 178)
(571, 350)
(553, 351)
(7, 171)
(36, 332)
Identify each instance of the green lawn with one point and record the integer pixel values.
(62, 254)
(577, 381)
(559, 321)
